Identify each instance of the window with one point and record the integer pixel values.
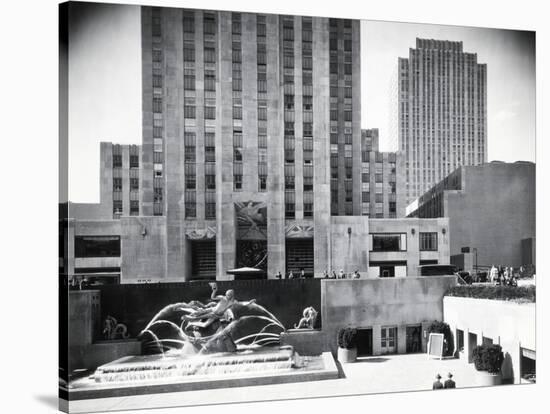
(387, 242)
(209, 55)
(97, 246)
(157, 195)
(189, 52)
(189, 111)
(134, 207)
(209, 80)
(157, 168)
(209, 112)
(209, 24)
(117, 184)
(210, 182)
(428, 241)
(262, 182)
(238, 181)
(117, 161)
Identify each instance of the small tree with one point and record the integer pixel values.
(347, 338)
(478, 356)
(443, 328)
(488, 358)
(493, 358)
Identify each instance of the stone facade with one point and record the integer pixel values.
(469, 198)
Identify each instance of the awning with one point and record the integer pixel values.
(527, 353)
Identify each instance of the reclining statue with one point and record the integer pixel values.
(204, 316)
(308, 319)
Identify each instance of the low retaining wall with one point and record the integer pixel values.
(136, 304)
(305, 341)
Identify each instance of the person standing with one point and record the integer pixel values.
(342, 275)
(449, 383)
(356, 274)
(278, 275)
(437, 385)
(302, 274)
(290, 275)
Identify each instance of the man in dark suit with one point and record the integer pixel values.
(437, 385)
(450, 383)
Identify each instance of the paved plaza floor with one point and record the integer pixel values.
(389, 373)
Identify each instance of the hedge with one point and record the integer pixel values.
(508, 293)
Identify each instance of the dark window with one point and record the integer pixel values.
(134, 161)
(428, 241)
(117, 184)
(209, 80)
(262, 182)
(97, 246)
(117, 161)
(238, 181)
(134, 207)
(209, 112)
(388, 242)
(210, 182)
(134, 184)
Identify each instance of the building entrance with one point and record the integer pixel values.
(388, 341)
(414, 339)
(472, 342)
(299, 255)
(203, 260)
(364, 342)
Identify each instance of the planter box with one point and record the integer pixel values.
(484, 379)
(347, 355)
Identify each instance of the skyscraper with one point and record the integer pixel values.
(442, 113)
(247, 112)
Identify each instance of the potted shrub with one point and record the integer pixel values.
(347, 346)
(488, 361)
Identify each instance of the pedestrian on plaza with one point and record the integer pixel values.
(437, 385)
(325, 274)
(493, 274)
(500, 277)
(356, 274)
(334, 276)
(342, 275)
(290, 275)
(302, 274)
(278, 275)
(449, 383)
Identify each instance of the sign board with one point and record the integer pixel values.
(435, 345)
(465, 249)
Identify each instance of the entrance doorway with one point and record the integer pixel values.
(472, 342)
(299, 255)
(364, 342)
(203, 260)
(388, 340)
(414, 340)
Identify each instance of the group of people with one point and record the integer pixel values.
(326, 274)
(449, 383)
(502, 275)
(291, 275)
(341, 275)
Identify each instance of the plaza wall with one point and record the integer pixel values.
(136, 304)
(509, 324)
(85, 350)
(373, 303)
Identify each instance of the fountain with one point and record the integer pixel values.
(192, 346)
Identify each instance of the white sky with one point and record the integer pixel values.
(105, 84)
(510, 59)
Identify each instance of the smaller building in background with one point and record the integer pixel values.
(380, 173)
(491, 211)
